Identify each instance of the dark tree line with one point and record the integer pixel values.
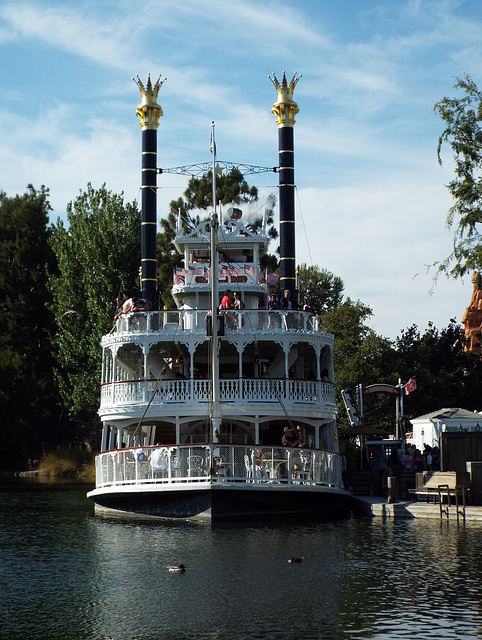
(447, 376)
(97, 255)
(28, 395)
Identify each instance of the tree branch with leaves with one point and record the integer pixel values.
(463, 132)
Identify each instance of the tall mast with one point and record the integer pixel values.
(285, 110)
(149, 113)
(216, 410)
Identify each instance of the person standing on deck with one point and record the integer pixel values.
(227, 303)
(380, 469)
(290, 438)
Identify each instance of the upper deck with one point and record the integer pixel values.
(264, 357)
(239, 249)
(257, 323)
(157, 366)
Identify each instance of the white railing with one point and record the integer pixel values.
(194, 321)
(218, 463)
(308, 392)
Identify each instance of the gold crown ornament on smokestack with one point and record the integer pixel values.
(149, 111)
(286, 108)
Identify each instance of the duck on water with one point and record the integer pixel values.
(180, 568)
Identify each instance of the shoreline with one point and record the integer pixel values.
(36, 477)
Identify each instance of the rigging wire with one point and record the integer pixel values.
(209, 408)
(156, 388)
(303, 223)
(278, 397)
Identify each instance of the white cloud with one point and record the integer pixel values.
(69, 29)
(379, 238)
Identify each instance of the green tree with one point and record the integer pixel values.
(98, 254)
(447, 376)
(361, 356)
(320, 288)
(463, 132)
(231, 188)
(28, 394)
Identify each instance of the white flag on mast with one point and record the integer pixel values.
(212, 143)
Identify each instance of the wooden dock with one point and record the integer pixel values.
(379, 507)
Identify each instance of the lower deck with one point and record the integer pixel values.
(219, 482)
(217, 463)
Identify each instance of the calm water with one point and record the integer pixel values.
(65, 575)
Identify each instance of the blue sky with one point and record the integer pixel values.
(371, 198)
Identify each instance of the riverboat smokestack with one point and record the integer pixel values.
(285, 110)
(149, 113)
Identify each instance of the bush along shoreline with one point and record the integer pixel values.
(64, 462)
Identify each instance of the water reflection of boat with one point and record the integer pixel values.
(218, 395)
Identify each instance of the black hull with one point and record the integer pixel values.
(218, 504)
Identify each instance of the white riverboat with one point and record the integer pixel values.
(194, 412)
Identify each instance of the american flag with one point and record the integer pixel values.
(197, 272)
(249, 271)
(272, 278)
(410, 386)
(233, 271)
(178, 278)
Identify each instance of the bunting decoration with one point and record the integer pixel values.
(224, 271)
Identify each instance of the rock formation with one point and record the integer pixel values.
(472, 319)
